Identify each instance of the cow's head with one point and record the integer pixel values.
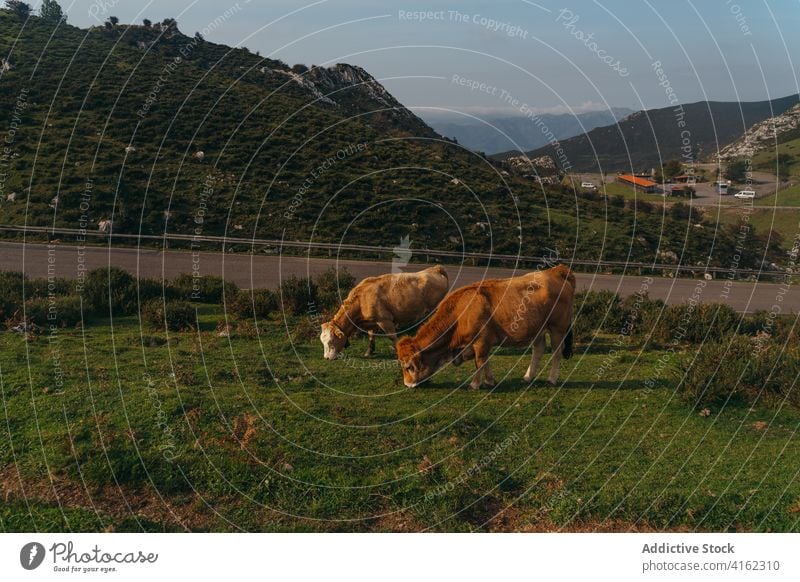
(417, 366)
(333, 340)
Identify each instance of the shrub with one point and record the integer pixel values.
(43, 287)
(60, 311)
(205, 289)
(110, 289)
(10, 293)
(782, 328)
(305, 330)
(596, 311)
(737, 369)
(258, 303)
(641, 315)
(686, 323)
(297, 295)
(333, 286)
(154, 289)
(173, 315)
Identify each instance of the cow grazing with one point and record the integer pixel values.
(382, 304)
(471, 320)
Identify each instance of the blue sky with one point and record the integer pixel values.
(548, 55)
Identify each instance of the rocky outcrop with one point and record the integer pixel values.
(763, 135)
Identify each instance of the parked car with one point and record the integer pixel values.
(588, 186)
(745, 194)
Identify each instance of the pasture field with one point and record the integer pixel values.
(784, 222)
(787, 197)
(193, 431)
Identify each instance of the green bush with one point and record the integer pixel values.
(739, 369)
(154, 289)
(596, 311)
(61, 311)
(172, 315)
(298, 295)
(10, 293)
(782, 328)
(111, 289)
(205, 289)
(333, 286)
(641, 315)
(59, 286)
(685, 323)
(254, 303)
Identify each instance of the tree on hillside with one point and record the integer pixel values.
(147, 23)
(673, 168)
(169, 26)
(738, 171)
(113, 20)
(21, 9)
(51, 11)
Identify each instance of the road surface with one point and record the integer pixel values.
(249, 271)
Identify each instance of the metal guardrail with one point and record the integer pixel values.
(308, 246)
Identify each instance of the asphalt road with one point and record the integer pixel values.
(250, 271)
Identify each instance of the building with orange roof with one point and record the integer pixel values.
(642, 184)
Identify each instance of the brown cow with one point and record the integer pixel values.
(382, 304)
(473, 319)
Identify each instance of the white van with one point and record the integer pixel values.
(588, 186)
(745, 194)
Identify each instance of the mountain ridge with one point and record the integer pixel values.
(486, 134)
(648, 138)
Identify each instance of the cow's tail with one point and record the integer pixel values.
(567, 351)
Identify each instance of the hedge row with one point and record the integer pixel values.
(640, 317)
(112, 291)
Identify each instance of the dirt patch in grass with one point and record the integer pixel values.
(119, 503)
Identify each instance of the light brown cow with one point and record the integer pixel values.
(382, 304)
(471, 320)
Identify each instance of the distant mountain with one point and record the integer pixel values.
(487, 134)
(649, 138)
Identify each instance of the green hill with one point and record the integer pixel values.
(165, 132)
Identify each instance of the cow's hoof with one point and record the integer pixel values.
(473, 386)
(527, 378)
(367, 354)
(553, 382)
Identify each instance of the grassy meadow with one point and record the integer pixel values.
(117, 427)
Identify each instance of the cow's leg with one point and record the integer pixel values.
(536, 357)
(390, 330)
(371, 344)
(481, 366)
(557, 340)
(488, 376)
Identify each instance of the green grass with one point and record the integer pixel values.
(786, 197)
(765, 160)
(784, 222)
(291, 442)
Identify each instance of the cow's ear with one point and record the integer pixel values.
(338, 332)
